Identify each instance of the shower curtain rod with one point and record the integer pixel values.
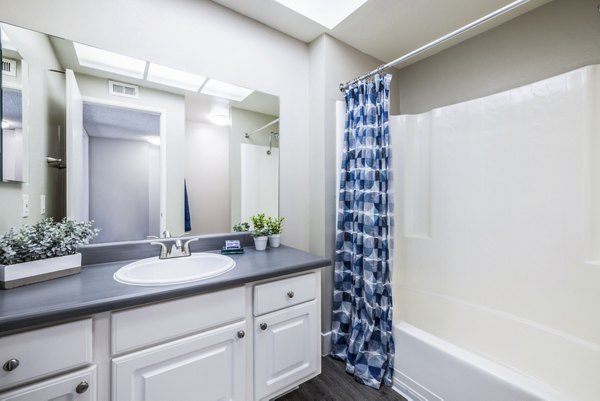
(247, 135)
(438, 41)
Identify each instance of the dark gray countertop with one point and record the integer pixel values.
(95, 290)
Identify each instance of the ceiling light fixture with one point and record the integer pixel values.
(110, 62)
(153, 140)
(219, 119)
(175, 78)
(225, 90)
(5, 124)
(327, 13)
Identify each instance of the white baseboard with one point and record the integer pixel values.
(326, 343)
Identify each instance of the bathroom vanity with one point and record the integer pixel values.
(249, 334)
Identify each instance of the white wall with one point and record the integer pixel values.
(260, 175)
(205, 38)
(207, 177)
(497, 205)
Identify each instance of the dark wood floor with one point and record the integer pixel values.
(334, 384)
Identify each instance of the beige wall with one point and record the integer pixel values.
(526, 299)
(557, 37)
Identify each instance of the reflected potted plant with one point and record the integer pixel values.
(241, 227)
(42, 251)
(275, 225)
(260, 231)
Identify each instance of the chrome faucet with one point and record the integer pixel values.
(177, 249)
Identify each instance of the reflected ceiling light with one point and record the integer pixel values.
(154, 140)
(327, 13)
(219, 119)
(174, 78)
(108, 61)
(6, 42)
(5, 124)
(225, 90)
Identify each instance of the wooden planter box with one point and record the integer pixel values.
(12, 276)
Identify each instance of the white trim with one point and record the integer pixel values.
(325, 343)
(163, 145)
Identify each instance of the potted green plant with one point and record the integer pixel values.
(42, 251)
(275, 225)
(260, 231)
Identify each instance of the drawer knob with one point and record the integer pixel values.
(11, 365)
(82, 387)
(263, 326)
(241, 334)
(290, 294)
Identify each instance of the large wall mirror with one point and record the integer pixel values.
(139, 148)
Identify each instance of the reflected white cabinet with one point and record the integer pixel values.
(80, 386)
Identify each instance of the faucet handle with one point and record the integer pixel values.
(166, 234)
(164, 252)
(186, 246)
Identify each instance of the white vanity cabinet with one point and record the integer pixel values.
(192, 348)
(286, 334)
(37, 354)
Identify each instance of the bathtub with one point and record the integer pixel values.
(427, 368)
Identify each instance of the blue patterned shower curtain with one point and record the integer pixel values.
(362, 295)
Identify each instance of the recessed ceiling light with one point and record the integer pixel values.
(328, 13)
(225, 90)
(6, 42)
(108, 61)
(5, 124)
(154, 140)
(175, 78)
(219, 119)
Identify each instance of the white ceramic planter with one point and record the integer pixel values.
(274, 240)
(260, 243)
(40, 270)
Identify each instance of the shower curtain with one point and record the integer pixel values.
(362, 296)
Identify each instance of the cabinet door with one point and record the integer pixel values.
(285, 348)
(207, 366)
(80, 386)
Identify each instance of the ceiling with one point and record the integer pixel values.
(119, 123)
(385, 29)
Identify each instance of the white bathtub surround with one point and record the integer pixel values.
(497, 222)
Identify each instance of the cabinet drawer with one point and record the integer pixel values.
(66, 387)
(148, 325)
(46, 351)
(280, 294)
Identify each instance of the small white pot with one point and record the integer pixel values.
(274, 240)
(39, 270)
(260, 243)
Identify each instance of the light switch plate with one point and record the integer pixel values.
(25, 205)
(42, 204)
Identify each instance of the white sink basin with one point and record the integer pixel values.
(155, 271)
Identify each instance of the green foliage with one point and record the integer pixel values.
(275, 224)
(45, 239)
(241, 227)
(259, 225)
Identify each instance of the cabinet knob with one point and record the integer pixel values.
(290, 294)
(82, 387)
(241, 334)
(263, 326)
(11, 365)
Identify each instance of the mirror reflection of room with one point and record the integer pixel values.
(145, 149)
